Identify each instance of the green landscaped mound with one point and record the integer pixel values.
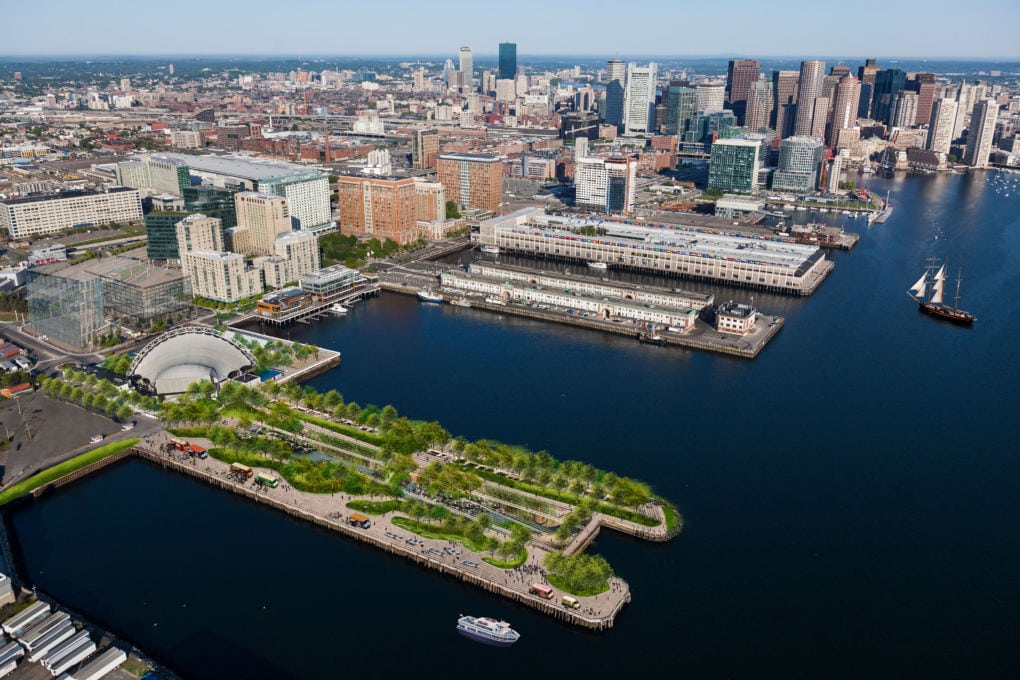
(67, 467)
(581, 574)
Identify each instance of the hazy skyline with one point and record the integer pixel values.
(402, 27)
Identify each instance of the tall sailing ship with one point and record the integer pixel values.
(928, 293)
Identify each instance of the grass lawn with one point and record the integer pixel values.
(672, 517)
(135, 666)
(375, 507)
(431, 531)
(67, 467)
(508, 564)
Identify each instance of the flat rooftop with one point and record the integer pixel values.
(337, 271)
(243, 167)
(136, 272)
(675, 239)
(63, 195)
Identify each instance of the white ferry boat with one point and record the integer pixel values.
(490, 250)
(338, 308)
(426, 296)
(597, 265)
(487, 630)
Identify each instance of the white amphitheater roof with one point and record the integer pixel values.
(182, 356)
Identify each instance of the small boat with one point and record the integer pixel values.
(490, 250)
(427, 296)
(461, 302)
(788, 208)
(653, 339)
(96, 439)
(338, 308)
(489, 631)
(597, 265)
(927, 293)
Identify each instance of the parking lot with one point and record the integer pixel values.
(44, 432)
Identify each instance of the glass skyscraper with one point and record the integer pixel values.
(507, 60)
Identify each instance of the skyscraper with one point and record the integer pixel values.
(424, 148)
(811, 74)
(616, 75)
(819, 117)
(759, 105)
(616, 69)
(980, 133)
(887, 84)
(940, 126)
(904, 109)
(924, 85)
(639, 100)
(866, 74)
(711, 96)
(845, 107)
(682, 104)
(265, 217)
(965, 97)
(472, 180)
(467, 68)
(800, 159)
(785, 85)
(507, 60)
(740, 74)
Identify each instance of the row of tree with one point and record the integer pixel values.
(575, 477)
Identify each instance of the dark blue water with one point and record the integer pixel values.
(850, 496)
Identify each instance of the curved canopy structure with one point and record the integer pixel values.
(182, 356)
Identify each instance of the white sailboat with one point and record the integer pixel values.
(929, 293)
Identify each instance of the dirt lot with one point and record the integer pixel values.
(56, 430)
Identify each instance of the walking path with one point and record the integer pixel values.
(331, 509)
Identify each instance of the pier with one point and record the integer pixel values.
(598, 612)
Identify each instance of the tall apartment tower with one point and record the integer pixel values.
(758, 114)
(866, 74)
(199, 233)
(811, 74)
(940, 125)
(740, 74)
(845, 107)
(424, 148)
(639, 101)
(980, 133)
(467, 68)
(265, 217)
(507, 61)
(785, 86)
(473, 181)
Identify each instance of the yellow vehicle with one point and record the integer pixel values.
(570, 602)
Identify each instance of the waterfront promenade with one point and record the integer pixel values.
(330, 511)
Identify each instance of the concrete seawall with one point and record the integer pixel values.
(548, 607)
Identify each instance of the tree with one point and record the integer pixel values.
(439, 513)
(451, 211)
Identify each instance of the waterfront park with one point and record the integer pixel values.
(500, 501)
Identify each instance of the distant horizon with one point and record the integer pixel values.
(494, 55)
(649, 28)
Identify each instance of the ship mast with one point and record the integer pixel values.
(956, 300)
(933, 263)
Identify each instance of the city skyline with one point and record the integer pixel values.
(75, 30)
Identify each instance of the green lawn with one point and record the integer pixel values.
(507, 564)
(432, 531)
(567, 587)
(68, 466)
(375, 507)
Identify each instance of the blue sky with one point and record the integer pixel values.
(753, 28)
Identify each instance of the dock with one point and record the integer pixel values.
(596, 613)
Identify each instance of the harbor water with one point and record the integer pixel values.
(850, 496)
